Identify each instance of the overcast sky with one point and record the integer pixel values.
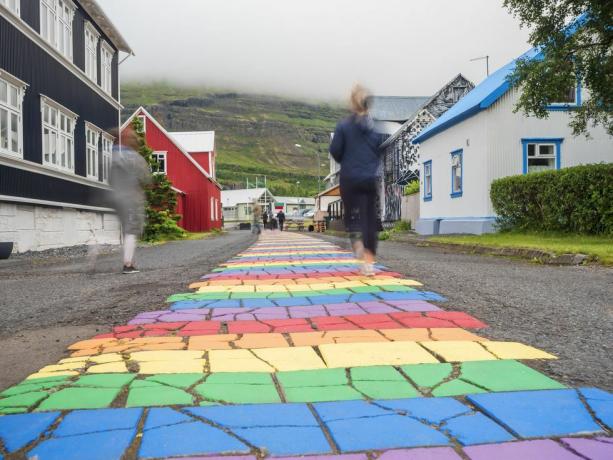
(315, 48)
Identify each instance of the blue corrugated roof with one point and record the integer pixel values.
(486, 93)
(480, 98)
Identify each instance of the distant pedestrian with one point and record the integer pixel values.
(129, 176)
(281, 219)
(265, 218)
(257, 218)
(356, 146)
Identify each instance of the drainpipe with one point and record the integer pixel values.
(129, 55)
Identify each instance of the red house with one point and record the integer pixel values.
(188, 159)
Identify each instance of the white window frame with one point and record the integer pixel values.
(107, 53)
(457, 165)
(56, 18)
(156, 156)
(57, 130)
(12, 5)
(427, 180)
(212, 209)
(92, 38)
(11, 110)
(216, 209)
(538, 156)
(107, 156)
(92, 151)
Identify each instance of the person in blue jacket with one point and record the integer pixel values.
(356, 147)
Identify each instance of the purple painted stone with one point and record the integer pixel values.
(244, 457)
(328, 457)
(380, 309)
(544, 449)
(151, 314)
(136, 322)
(594, 449)
(307, 312)
(435, 453)
(173, 317)
(417, 306)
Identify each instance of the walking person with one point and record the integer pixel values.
(257, 218)
(355, 146)
(265, 218)
(281, 219)
(129, 176)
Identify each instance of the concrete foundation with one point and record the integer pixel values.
(474, 226)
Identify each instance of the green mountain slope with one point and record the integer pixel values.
(255, 134)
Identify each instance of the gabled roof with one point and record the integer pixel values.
(196, 141)
(102, 20)
(295, 199)
(231, 198)
(395, 108)
(483, 96)
(179, 147)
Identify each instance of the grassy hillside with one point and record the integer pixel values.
(255, 134)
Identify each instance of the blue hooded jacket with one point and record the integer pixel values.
(356, 146)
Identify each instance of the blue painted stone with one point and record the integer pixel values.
(93, 446)
(189, 304)
(362, 298)
(225, 304)
(326, 299)
(434, 410)
(292, 302)
(358, 425)
(257, 415)
(89, 421)
(476, 429)
(169, 435)
(434, 296)
(257, 303)
(534, 414)
(601, 403)
(18, 430)
(286, 440)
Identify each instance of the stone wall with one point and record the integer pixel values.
(36, 228)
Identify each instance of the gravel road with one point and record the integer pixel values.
(566, 311)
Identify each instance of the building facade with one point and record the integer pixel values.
(59, 97)
(187, 158)
(481, 139)
(238, 204)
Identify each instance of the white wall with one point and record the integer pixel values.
(36, 228)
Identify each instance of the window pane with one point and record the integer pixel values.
(3, 91)
(531, 150)
(541, 164)
(46, 144)
(546, 150)
(14, 133)
(62, 152)
(70, 152)
(53, 117)
(53, 147)
(4, 129)
(13, 96)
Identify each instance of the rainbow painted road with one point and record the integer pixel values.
(286, 351)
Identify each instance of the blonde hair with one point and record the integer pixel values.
(359, 99)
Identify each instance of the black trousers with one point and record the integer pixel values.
(360, 202)
(281, 222)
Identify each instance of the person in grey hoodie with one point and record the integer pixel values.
(356, 147)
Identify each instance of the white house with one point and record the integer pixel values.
(237, 205)
(294, 205)
(481, 139)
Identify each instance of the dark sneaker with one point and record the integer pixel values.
(130, 270)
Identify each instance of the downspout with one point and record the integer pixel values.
(129, 55)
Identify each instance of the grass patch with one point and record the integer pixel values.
(596, 246)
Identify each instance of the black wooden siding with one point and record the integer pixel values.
(29, 62)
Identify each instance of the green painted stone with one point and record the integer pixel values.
(455, 388)
(23, 400)
(321, 393)
(335, 292)
(12, 410)
(26, 387)
(176, 380)
(428, 375)
(315, 378)
(238, 393)
(246, 295)
(277, 295)
(506, 375)
(365, 289)
(386, 389)
(80, 398)
(218, 296)
(251, 378)
(377, 374)
(156, 394)
(104, 380)
(394, 288)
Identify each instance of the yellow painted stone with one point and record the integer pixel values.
(172, 367)
(63, 367)
(291, 359)
(375, 354)
(459, 351)
(321, 286)
(269, 340)
(515, 350)
(414, 335)
(322, 337)
(270, 288)
(106, 358)
(72, 360)
(236, 361)
(455, 333)
(165, 355)
(298, 287)
(212, 342)
(44, 375)
(85, 352)
(348, 284)
(107, 368)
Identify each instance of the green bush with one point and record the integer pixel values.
(384, 235)
(402, 226)
(577, 199)
(411, 188)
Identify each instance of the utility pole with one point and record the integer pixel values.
(487, 63)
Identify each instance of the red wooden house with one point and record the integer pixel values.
(188, 159)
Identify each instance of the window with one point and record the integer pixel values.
(56, 24)
(107, 156)
(106, 67)
(143, 124)
(428, 180)
(541, 154)
(12, 5)
(456, 173)
(12, 91)
(216, 209)
(160, 159)
(58, 135)
(212, 209)
(91, 52)
(92, 136)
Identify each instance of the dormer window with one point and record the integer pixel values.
(56, 24)
(91, 52)
(12, 5)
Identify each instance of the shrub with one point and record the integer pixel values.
(402, 226)
(577, 199)
(411, 188)
(384, 235)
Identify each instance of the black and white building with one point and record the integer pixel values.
(59, 98)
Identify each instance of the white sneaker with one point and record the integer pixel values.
(367, 269)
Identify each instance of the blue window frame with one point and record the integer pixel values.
(457, 173)
(541, 154)
(572, 101)
(428, 180)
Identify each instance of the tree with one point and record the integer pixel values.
(575, 38)
(161, 199)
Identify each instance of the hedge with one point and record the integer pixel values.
(577, 199)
